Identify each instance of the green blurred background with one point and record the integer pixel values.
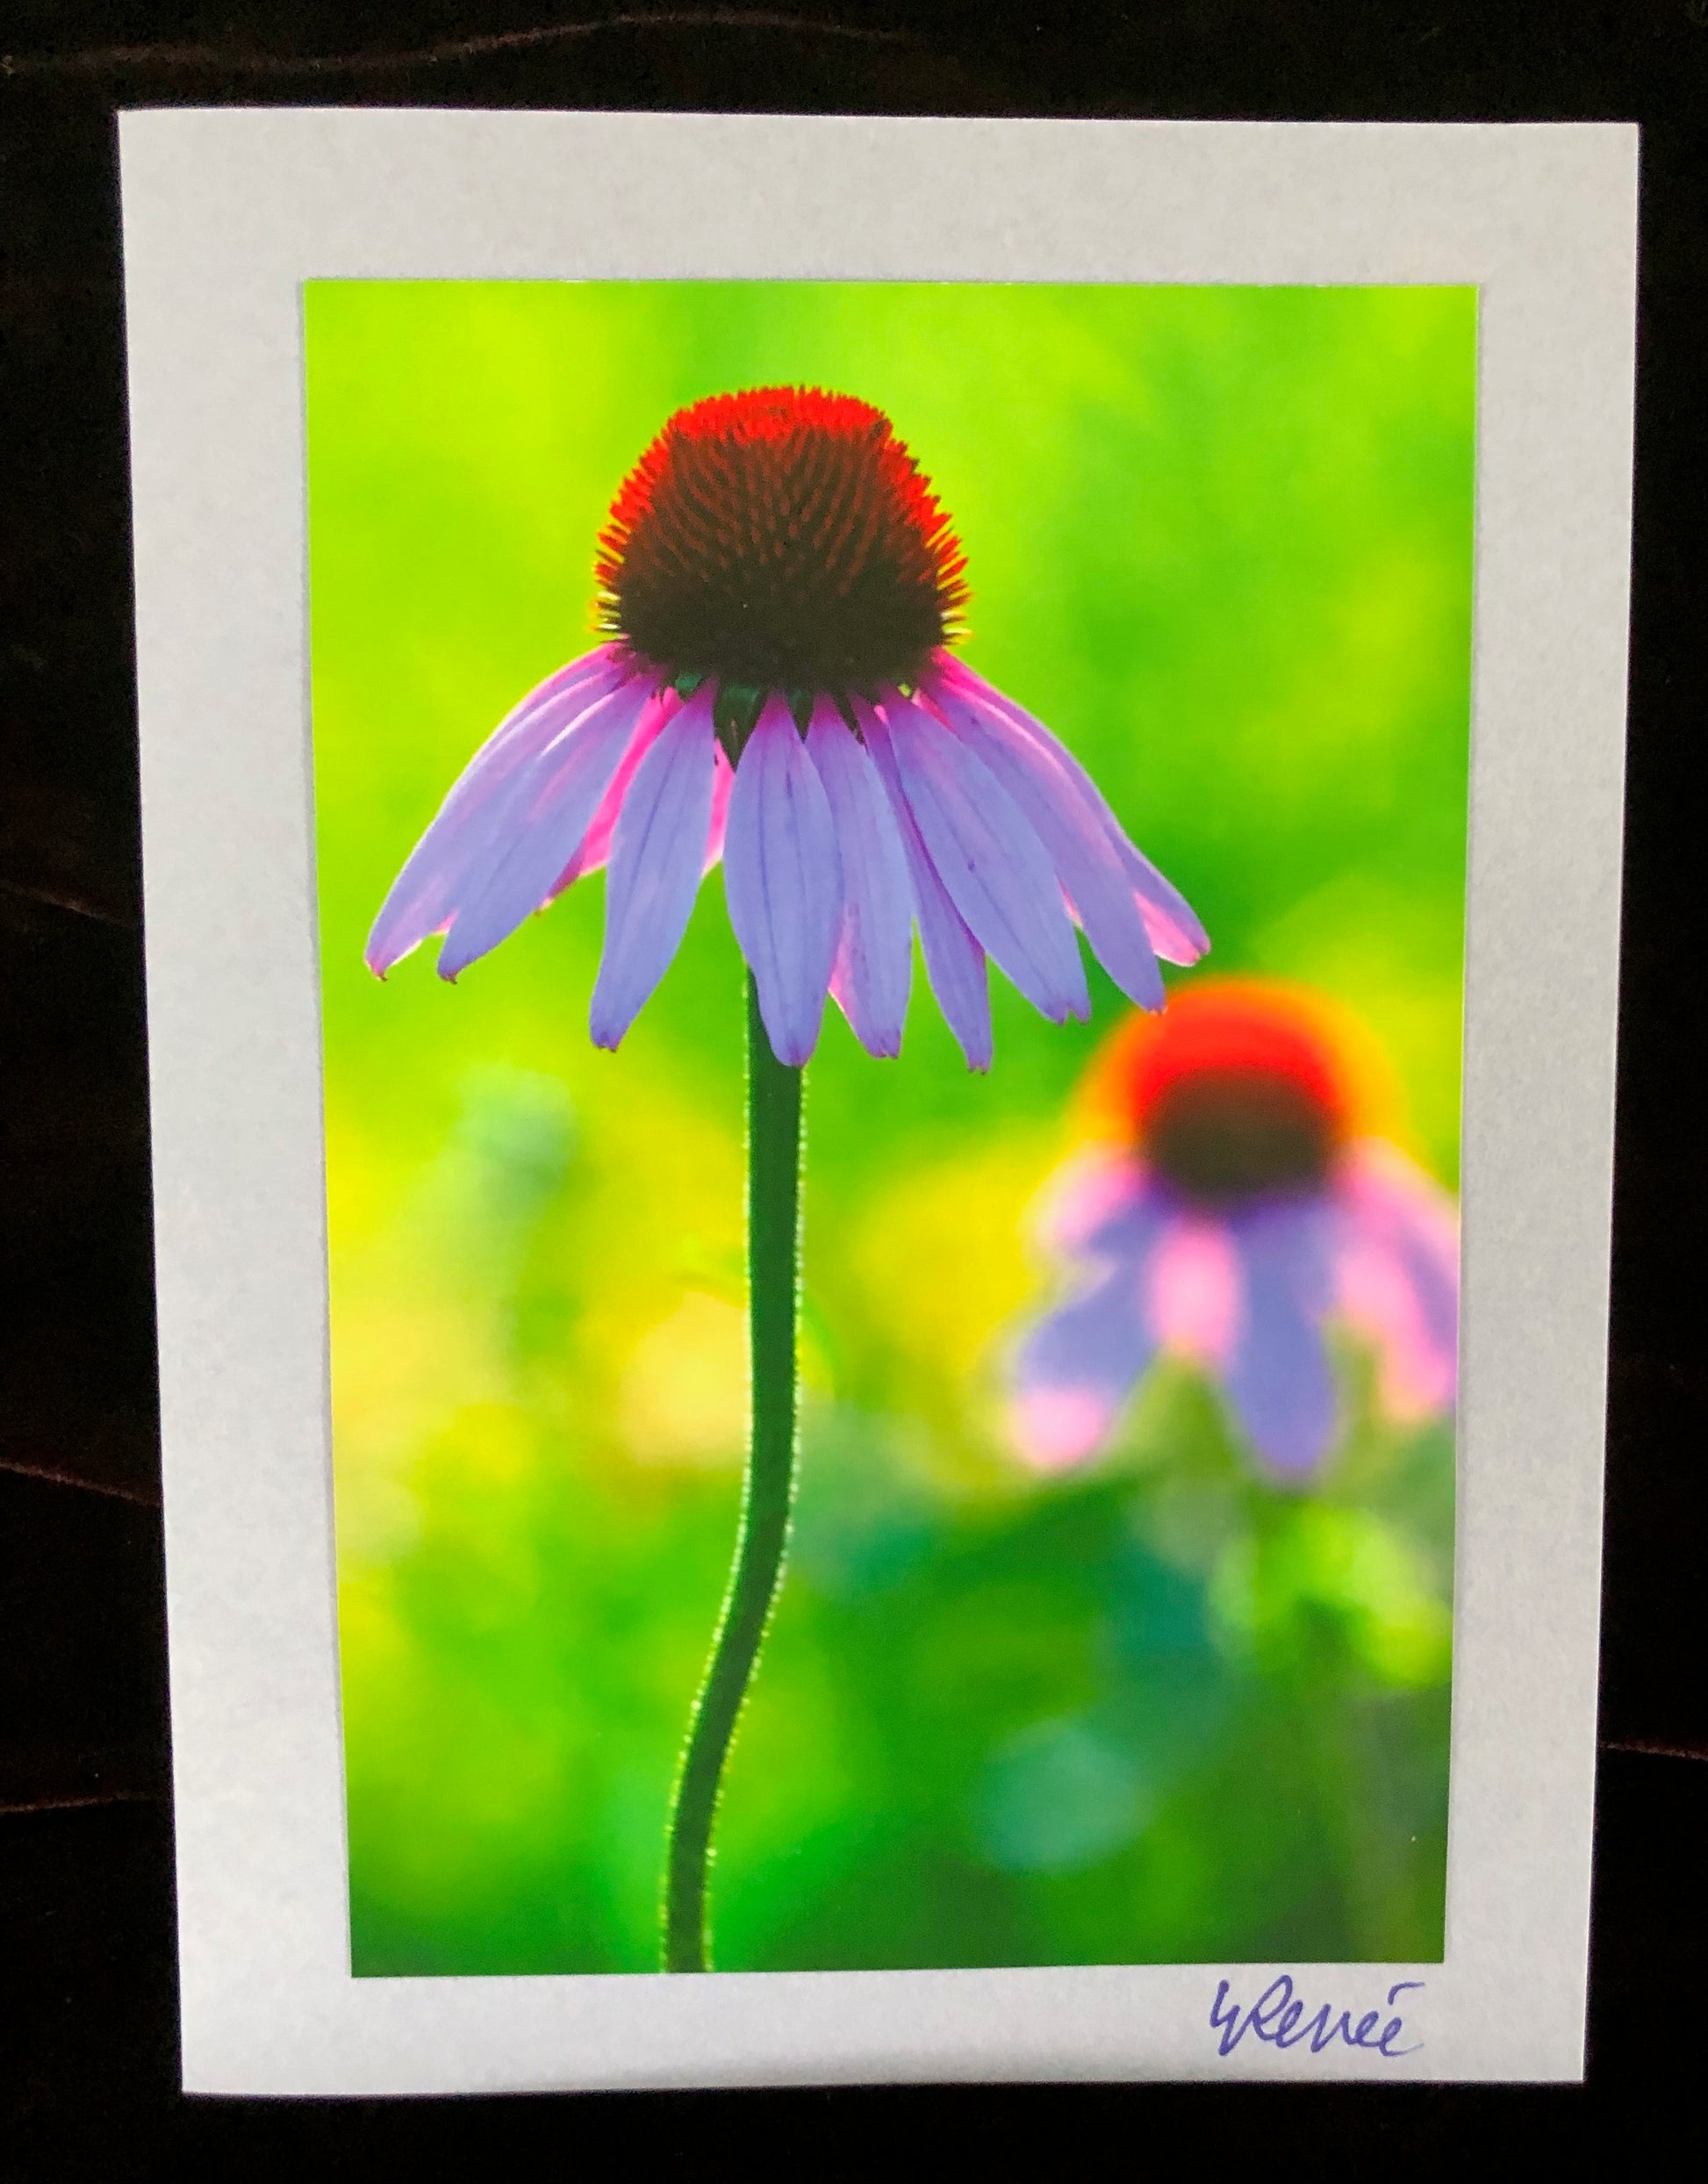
(1221, 539)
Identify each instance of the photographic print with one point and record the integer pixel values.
(891, 865)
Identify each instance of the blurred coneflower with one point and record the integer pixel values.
(778, 588)
(1240, 1196)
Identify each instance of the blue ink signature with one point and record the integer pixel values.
(1274, 2016)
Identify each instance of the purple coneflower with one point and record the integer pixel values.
(1245, 1206)
(778, 588)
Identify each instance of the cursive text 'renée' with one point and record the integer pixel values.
(1279, 2017)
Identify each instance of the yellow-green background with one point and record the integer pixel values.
(1221, 540)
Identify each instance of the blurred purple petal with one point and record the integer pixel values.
(1195, 1289)
(1079, 844)
(1398, 1275)
(954, 958)
(1278, 1376)
(875, 951)
(1079, 1365)
(783, 881)
(657, 854)
(990, 860)
(454, 855)
(1096, 1204)
(1423, 1222)
(1169, 918)
(542, 825)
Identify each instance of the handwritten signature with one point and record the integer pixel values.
(1276, 2014)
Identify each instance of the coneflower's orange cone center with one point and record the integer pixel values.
(1236, 1091)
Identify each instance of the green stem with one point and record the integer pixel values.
(773, 1253)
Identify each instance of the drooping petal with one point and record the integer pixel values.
(564, 693)
(875, 961)
(1176, 930)
(608, 663)
(1170, 920)
(1278, 1374)
(453, 857)
(544, 824)
(954, 958)
(657, 854)
(1196, 1289)
(783, 880)
(1397, 1276)
(1424, 1225)
(1078, 1366)
(595, 849)
(1080, 845)
(990, 862)
(1090, 1205)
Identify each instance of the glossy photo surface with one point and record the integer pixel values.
(1099, 1641)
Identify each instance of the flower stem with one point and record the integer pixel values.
(773, 1253)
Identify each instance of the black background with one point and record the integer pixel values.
(89, 2063)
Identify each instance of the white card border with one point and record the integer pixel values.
(226, 213)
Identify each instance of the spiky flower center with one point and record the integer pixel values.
(1235, 1092)
(784, 540)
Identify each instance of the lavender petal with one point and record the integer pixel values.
(990, 862)
(783, 880)
(1173, 924)
(1278, 1376)
(657, 854)
(454, 855)
(874, 962)
(1078, 843)
(542, 825)
(1079, 1365)
(954, 958)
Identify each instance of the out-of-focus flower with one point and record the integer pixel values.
(778, 587)
(1238, 1202)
